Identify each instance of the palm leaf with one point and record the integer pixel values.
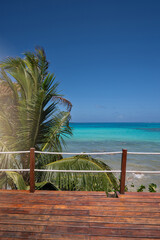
(19, 183)
(18, 180)
(81, 181)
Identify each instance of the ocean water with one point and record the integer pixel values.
(135, 137)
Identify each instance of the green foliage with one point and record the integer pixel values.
(71, 181)
(17, 180)
(3, 180)
(141, 188)
(152, 187)
(81, 181)
(29, 110)
(30, 117)
(19, 183)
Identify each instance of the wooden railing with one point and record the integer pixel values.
(122, 172)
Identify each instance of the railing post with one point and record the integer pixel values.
(123, 171)
(32, 167)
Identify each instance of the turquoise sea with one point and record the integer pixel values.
(135, 137)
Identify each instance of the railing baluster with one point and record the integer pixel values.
(123, 171)
(32, 167)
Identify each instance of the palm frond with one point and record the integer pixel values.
(81, 181)
(18, 180)
(64, 101)
(60, 128)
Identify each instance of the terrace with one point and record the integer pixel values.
(79, 215)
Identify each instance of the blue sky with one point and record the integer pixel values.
(105, 54)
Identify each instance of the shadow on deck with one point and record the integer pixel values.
(78, 215)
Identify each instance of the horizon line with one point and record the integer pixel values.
(114, 122)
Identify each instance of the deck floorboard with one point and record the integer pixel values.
(78, 215)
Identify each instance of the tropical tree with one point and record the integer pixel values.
(30, 117)
(29, 109)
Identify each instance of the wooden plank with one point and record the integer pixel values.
(66, 236)
(138, 200)
(45, 192)
(23, 206)
(109, 208)
(138, 195)
(109, 219)
(84, 230)
(24, 236)
(12, 191)
(51, 200)
(17, 235)
(56, 193)
(42, 222)
(78, 224)
(88, 202)
(118, 238)
(21, 228)
(76, 197)
(68, 212)
(20, 217)
(124, 225)
(44, 211)
(124, 213)
(22, 196)
(72, 207)
(125, 232)
(104, 231)
(67, 229)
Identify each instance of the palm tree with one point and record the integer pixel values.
(29, 113)
(30, 117)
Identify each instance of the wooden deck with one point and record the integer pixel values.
(78, 215)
